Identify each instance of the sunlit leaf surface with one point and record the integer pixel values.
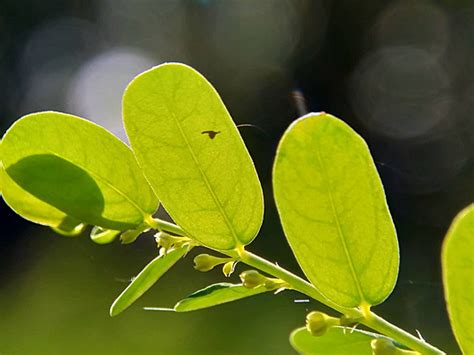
(216, 294)
(146, 278)
(333, 210)
(57, 162)
(193, 155)
(458, 278)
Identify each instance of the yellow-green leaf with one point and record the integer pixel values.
(336, 341)
(333, 210)
(217, 294)
(57, 162)
(100, 235)
(147, 278)
(458, 278)
(193, 156)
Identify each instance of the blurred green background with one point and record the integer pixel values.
(400, 72)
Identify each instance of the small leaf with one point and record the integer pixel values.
(130, 236)
(337, 340)
(76, 167)
(333, 210)
(101, 235)
(147, 278)
(193, 156)
(70, 227)
(216, 294)
(458, 278)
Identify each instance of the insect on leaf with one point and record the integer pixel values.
(147, 278)
(193, 156)
(458, 278)
(217, 294)
(58, 164)
(333, 210)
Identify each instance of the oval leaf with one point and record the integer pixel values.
(76, 167)
(193, 155)
(70, 227)
(100, 235)
(216, 294)
(333, 211)
(147, 278)
(458, 278)
(337, 340)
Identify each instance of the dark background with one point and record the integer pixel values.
(399, 72)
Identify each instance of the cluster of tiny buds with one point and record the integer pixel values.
(167, 242)
(206, 262)
(253, 279)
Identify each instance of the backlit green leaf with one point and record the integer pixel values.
(76, 167)
(193, 155)
(458, 278)
(337, 341)
(28, 206)
(35, 210)
(100, 235)
(147, 278)
(333, 210)
(217, 294)
(70, 227)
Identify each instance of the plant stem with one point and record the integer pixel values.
(382, 326)
(370, 319)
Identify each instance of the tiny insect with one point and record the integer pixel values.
(211, 134)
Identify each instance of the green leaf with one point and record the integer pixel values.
(69, 227)
(193, 156)
(76, 167)
(28, 206)
(100, 235)
(147, 278)
(35, 210)
(458, 277)
(130, 236)
(333, 210)
(337, 341)
(217, 294)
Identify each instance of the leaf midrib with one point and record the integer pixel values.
(204, 177)
(338, 225)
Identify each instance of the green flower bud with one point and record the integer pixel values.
(131, 235)
(164, 240)
(347, 321)
(382, 346)
(273, 283)
(252, 279)
(229, 268)
(167, 241)
(206, 262)
(318, 323)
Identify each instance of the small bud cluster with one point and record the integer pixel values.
(167, 242)
(318, 323)
(206, 262)
(253, 279)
